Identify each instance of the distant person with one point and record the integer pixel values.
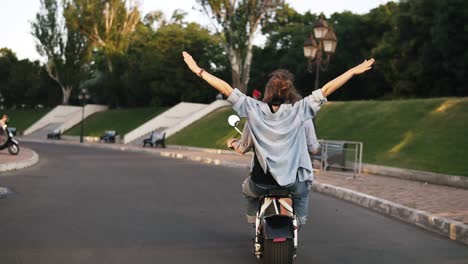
(3, 122)
(256, 94)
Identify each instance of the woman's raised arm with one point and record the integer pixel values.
(336, 83)
(220, 85)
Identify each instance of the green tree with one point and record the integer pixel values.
(423, 50)
(7, 61)
(445, 57)
(286, 33)
(66, 50)
(239, 21)
(154, 74)
(108, 24)
(24, 82)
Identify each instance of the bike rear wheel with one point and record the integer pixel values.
(278, 252)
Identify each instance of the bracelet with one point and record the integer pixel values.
(200, 73)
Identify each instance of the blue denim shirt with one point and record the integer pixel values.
(279, 138)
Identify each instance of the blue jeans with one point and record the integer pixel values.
(299, 191)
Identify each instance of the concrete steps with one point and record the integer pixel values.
(42, 132)
(173, 120)
(62, 117)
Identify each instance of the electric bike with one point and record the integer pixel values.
(276, 226)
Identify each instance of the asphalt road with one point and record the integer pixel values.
(86, 205)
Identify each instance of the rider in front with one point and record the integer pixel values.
(277, 129)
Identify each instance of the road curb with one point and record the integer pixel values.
(451, 229)
(454, 230)
(207, 150)
(204, 160)
(20, 164)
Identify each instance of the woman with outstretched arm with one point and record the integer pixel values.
(226, 89)
(277, 132)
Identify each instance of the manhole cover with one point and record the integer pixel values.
(5, 191)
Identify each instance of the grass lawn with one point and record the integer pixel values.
(422, 134)
(23, 118)
(122, 120)
(211, 131)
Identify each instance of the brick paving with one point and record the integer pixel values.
(5, 157)
(443, 201)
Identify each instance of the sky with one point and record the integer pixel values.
(16, 17)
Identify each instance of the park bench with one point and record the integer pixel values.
(333, 154)
(55, 134)
(156, 138)
(109, 136)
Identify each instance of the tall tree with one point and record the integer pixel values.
(25, 82)
(107, 23)
(66, 50)
(154, 75)
(445, 57)
(238, 21)
(7, 61)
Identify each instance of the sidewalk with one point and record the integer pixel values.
(25, 158)
(437, 208)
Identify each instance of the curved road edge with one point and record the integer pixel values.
(449, 228)
(21, 164)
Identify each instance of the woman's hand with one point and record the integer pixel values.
(230, 141)
(363, 67)
(336, 83)
(220, 85)
(191, 63)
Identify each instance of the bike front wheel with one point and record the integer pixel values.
(14, 149)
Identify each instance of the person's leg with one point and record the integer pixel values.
(3, 136)
(300, 192)
(251, 194)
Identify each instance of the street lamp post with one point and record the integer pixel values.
(83, 96)
(318, 50)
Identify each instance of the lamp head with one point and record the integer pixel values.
(233, 120)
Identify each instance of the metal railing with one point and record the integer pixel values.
(341, 155)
